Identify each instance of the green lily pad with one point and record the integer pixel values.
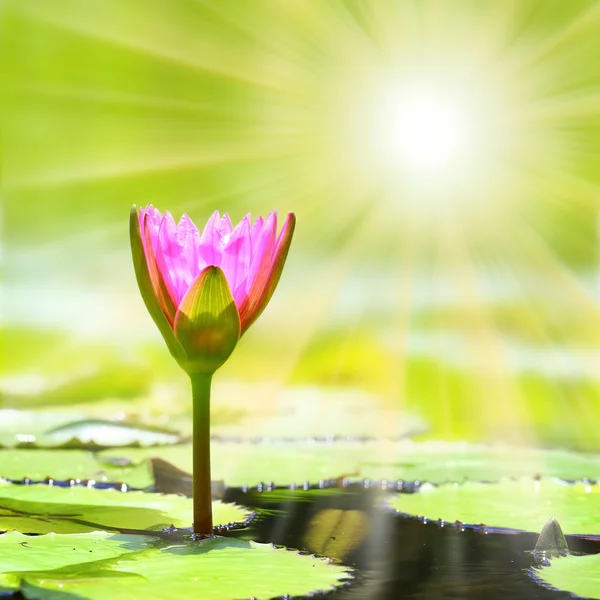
(21, 554)
(97, 432)
(249, 464)
(45, 429)
(294, 462)
(43, 509)
(64, 465)
(25, 426)
(579, 575)
(524, 504)
(212, 569)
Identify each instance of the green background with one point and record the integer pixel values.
(479, 316)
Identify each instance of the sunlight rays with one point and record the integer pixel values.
(582, 22)
(399, 38)
(178, 43)
(399, 132)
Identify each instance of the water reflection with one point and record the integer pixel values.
(398, 557)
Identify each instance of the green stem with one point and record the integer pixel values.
(201, 450)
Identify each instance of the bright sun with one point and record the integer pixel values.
(431, 142)
(419, 129)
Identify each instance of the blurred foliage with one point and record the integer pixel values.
(455, 401)
(468, 302)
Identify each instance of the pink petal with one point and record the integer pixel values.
(263, 286)
(150, 219)
(171, 260)
(264, 247)
(210, 246)
(255, 231)
(163, 293)
(236, 255)
(225, 226)
(189, 238)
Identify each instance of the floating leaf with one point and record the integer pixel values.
(525, 504)
(43, 508)
(65, 465)
(108, 434)
(45, 429)
(295, 462)
(249, 464)
(212, 569)
(20, 555)
(26, 426)
(579, 575)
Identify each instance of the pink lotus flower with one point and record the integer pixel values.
(204, 290)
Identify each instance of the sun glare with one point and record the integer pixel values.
(433, 143)
(419, 129)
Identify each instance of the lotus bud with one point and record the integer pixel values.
(204, 290)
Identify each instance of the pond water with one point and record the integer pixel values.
(393, 556)
(398, 557)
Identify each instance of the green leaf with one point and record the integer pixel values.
(296, 462)
(42, 509)
(142, 275)
(100, 433)
(579, 575)
(65, 465)
(28, 426)
(22, 555)
(524, 504)
(25, 431)
(212, 569)
(207, 323)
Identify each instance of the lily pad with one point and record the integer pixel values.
(26, 426)
(21, 554)
(43, 509)
(579, 575)
(249, 464)
(65, 465)
(45, 429)
(101, 433)
(524, 504)
(213, 569)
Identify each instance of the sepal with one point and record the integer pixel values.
(207, 322)
(142, 275)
